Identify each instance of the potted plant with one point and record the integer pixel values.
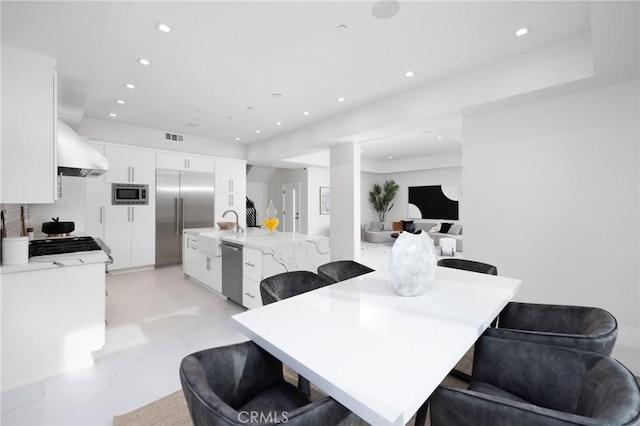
(381, 197)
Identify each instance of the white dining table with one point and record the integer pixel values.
(379, 354)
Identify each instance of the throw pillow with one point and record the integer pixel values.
(397, 226)
(407, 225)
(436, 228)
(455, 229)
(444, 227)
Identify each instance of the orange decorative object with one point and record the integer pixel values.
(270, 220)
(271, 223)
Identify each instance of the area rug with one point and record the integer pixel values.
(172, 410)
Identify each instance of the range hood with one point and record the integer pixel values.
(75, 156)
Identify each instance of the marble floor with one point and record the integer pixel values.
(156, 318)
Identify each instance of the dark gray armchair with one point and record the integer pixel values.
(242, 385)
(523, 383)
(289, 284)
(341, 270)
(579, 327)
(586, 328)
(469, 265)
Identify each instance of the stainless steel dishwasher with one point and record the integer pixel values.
(232, 271)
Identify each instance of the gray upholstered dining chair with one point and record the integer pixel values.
(473, 266)
(580, 327)
(469, 265)
(341, 270)
(523, 383)
(289, 284)
(242, 384)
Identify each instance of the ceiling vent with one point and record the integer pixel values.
(173, 137)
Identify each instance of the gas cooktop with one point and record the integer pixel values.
(61, 245)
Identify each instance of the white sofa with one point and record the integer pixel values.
(384, 236)
(371, 235)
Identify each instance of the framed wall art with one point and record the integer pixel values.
(325, 200)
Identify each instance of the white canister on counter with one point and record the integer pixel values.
(15, 250)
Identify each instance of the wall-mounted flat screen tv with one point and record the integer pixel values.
(433, 202)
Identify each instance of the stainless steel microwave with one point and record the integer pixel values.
(129, 194)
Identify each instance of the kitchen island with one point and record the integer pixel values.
(258, 255)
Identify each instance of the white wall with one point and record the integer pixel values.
(345, 204)
(551, 196)
(318, 224)
(446, 176)
(105, 131)
(69, 208)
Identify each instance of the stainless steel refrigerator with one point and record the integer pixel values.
(183, 200)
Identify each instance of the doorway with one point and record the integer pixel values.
(291, 207)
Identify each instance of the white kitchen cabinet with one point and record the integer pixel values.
(52, 320)
(252, 274)
(231, 190)
(251, 297)
(130, 233)
(191, 257)
(28, 161)
(98, 197)
(193, 163)
(128, 165)
(203, 267)
(231, 176)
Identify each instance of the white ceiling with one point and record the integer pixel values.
(223, 57)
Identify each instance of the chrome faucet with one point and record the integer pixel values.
(237, 229)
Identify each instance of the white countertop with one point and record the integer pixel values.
(37, 263)
(254, 237)
(378, 353)
(263, 239)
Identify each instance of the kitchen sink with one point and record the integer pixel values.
(209, 242)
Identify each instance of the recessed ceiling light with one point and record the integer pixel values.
(229, 117)
(343, 28)
(438, 137)
(143, 61)
(276, 95)
(237, 139)
(390, 157)
(340, 99)
(278, 123)
(113, 115)
(250, 108)
(522, 31)
(120, 102)
(409, 74)
(163, 27)
(257, 131)
(129, 86)
(306, 113)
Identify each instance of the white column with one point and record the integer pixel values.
(345, 202)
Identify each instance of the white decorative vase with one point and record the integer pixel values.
(413, 264)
